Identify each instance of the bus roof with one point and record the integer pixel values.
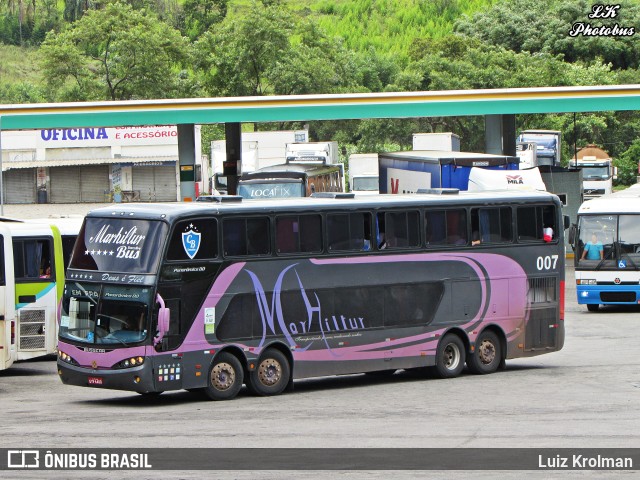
(27, 228)
(289, 170)
(623, 201)
(170, 211)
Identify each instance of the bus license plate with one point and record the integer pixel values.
(95, 380)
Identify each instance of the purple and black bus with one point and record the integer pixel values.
(217, 295)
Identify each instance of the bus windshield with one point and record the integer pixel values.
(119, 245)
(111, 314)
(600, 234)
(271, 190)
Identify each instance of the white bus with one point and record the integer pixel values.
(606, 242)
(32, 265)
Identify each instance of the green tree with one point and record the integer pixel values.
(200, 15)
(236, 57)
(117, 53)
(627, 164)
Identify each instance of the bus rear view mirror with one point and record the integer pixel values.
(163, 321)
(567, 221)
(572, 235)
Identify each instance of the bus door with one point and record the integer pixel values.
(7, 294)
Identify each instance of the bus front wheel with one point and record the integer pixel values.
(225, 377)
(450, 357)
(487, 355)
(593, 307)
(272, 374)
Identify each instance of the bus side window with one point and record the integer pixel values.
(257, 236)
(531, 222)
(456, 227)
(349, 231)
(32, 259)
(299, 233)
(194, 235)
(492, 224)
(245, 236)
(435, 227)
(402, 229)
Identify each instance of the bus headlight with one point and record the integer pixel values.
(587, 281)
(66, 358)
(129, 362)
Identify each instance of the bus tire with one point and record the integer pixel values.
(450, 357)
(225, 377)
(271, 375)
(593, 307)
(487, 355)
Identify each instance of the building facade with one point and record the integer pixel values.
(77, 165)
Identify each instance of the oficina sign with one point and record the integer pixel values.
(101, 136)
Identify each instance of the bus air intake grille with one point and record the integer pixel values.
(542, 290)
(32, 329)
(613, 297)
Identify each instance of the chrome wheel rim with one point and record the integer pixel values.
(451, 356)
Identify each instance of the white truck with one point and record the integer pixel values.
(527, 152)
(312, 152)
(259, 150)
(548, 143)
(598, 171)
(363, 173)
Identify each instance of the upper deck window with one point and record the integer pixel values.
(194, 239)
(119, 245)
(398, 229)
(245, 236)
(491, 225)
(349, 231)
(446, 227)
(532, 221)
(298, 233)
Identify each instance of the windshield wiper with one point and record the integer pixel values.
(111, 337)
(613, 249)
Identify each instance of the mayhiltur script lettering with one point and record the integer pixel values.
(123, 237)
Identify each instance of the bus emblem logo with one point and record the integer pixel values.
(617, 281)
(191, 241)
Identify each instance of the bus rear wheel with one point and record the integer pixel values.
(272, 374)
(593, 307)
(487, 355)
(450, 357)
(225, 377)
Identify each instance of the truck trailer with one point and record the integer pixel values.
(407, 172)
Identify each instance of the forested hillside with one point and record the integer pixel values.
(82, 50)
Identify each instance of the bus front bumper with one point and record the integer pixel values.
(608, 294)
(136, 379)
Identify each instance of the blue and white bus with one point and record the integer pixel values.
(214, 296)
(606, 242)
